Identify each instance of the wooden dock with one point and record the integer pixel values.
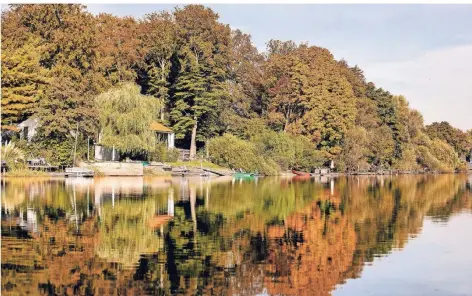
(79, 172)
(47, 168)
(218, 172)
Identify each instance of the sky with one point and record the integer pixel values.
(435, 262)
(423, 52)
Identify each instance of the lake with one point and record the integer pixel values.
(369, 235)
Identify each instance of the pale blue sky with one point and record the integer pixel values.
(433, 263)
(421, 51)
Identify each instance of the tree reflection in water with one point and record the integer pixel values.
(210, 236)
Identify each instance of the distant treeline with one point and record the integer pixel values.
(293, 106)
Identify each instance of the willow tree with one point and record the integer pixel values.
(125, 116)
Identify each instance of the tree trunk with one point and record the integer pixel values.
(287, 119)
(193, 141)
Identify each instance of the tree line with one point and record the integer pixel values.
(209, 83)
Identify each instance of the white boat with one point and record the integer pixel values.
(79, 172)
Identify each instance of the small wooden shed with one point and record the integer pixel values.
(165, 132)
(103, 153)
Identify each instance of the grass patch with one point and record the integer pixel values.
(25, 173)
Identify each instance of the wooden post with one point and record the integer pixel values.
(88, 148)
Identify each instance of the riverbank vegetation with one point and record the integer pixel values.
(292, 106)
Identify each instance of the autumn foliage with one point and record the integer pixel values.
(209, 80)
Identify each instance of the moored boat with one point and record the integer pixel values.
(243, 175)
(79, 172)
(299, 173)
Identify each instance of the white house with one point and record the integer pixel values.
(28, 128)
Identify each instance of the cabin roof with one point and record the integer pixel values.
(29, 122)
(156, 126)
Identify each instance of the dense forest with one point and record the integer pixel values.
(293, 106)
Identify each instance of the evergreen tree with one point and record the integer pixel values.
(203, 67)
(159, 41)
(23, 80)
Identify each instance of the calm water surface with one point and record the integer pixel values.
(403, 235)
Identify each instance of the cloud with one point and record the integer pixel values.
(437, 83)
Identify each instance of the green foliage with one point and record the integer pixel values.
(203, 62)
(159, 41)
(289, 152)
(63, 105)
(56, 152)
(309, 96)
(278, 146)
(381, 147)
(445, 154)
(196, 163)
(25, 172)
(408, 161)
(125, 117)
(163, 154)
(354, 154)
(437, 155)
(22, 81)
(12, 155)
(234, 153)
(244, 128)
(459, 140)
(70, 68)
(267, 152)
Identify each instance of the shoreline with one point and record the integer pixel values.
(282, 174)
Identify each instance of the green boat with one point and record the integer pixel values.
(240, 175)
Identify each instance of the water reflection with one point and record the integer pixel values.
(289, 236)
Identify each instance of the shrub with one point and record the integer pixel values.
(445, 154)
(173, 155)
(277, 146)
(307, 158)
(164, 154)
(229, 151)
(437, 155)
(55, 151)
(13, 156)
(24, 172)
(289, 151)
